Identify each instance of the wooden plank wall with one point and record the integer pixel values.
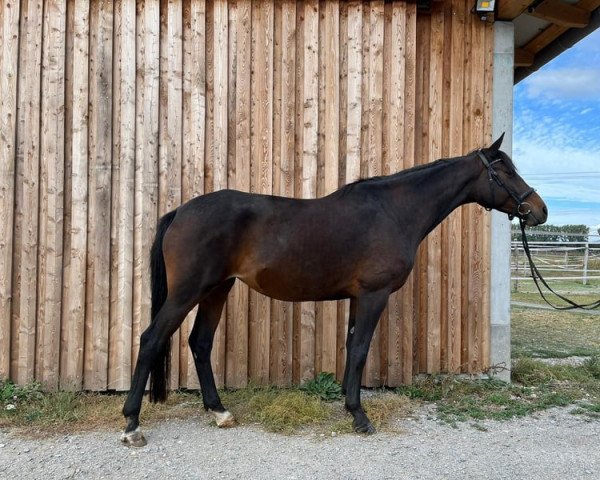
(113, 113)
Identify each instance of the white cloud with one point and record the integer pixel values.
(564, 174)
(565, 83)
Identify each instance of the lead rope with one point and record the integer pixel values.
(537, 277)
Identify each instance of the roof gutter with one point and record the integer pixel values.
(562, 43)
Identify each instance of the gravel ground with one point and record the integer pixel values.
(550, 445)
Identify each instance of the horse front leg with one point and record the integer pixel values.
(351, 321)
(368, 309)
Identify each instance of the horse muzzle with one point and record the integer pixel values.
(533, 212)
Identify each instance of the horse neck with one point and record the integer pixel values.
(426, 197)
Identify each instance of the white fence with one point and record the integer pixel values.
(557, 261)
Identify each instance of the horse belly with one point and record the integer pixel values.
(296, 285)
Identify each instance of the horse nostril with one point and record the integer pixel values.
(545, 210)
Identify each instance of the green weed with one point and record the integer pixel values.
(323, 386)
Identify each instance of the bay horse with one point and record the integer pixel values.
(358, 243)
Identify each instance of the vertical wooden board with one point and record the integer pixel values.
(99, 212)
(209, 59)
(444, 148)
(468, 210)
(343, 97)
(305, 166)
(237, 326)
(465, 210)
(146, 163)
(409, 307)
(232, 63)
(328, 161)
(170, 127)
(51, 195)
(374, 148)
(261, 175)
(194, 98)
(220, 104)
(309, 160)
(277, 307)
(421, 148)
(386, 165)
(434, 240)
(393, 151)
(68, 164)
(355, 81)
(297, 345)
(230, 309)
(76, 194)
(350, 126)
(283, 172)
(343, 305)
(209, 144)
(484, 350)
(364, 132)
(320, 173)
(476, 273)
(9, 48)
(26, 195)
(119, 372)
(192, 169)
(454, 228)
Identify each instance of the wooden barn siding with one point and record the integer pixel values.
(113, 113)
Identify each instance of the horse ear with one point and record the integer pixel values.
(496, 145)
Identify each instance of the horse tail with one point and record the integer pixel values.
(161, 366)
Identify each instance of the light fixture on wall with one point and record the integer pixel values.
(484, 9)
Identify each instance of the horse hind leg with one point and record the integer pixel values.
(201, 343)
(152, 343)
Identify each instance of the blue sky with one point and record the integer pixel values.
(556, 142)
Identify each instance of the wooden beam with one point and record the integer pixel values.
(560, 13)
(523, 58)
(511, 9)
(544, 38)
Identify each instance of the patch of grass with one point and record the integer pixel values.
(324, 386)
(32, 412)
(591, 410)
(536, 386)
(554, 334)
(291, 411)
(277, 410)
(386, 406)
(592, 365)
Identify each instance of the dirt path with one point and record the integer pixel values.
(551, 445)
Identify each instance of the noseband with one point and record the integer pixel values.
(522, 209)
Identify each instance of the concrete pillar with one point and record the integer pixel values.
(502, 121)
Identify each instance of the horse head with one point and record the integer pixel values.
(500, 187)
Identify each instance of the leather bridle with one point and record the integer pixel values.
(522, 208)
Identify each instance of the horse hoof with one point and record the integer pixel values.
(133, 439)
(224, 419)
(366, 428)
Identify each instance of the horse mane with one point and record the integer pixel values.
(394, 176)
(419, 168)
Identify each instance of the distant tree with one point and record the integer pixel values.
(553, 233)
